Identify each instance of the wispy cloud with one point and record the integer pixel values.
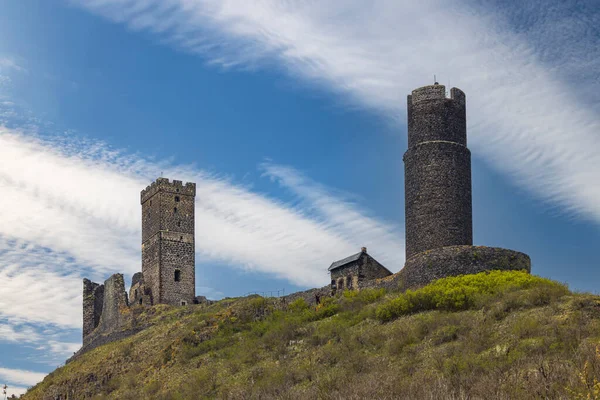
(526, 117)
(338, 210)
(21, 377)
(9, 63)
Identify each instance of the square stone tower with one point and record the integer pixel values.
(168, 261)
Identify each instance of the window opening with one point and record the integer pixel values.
(177, 199)
(175, 210)
(177, 275)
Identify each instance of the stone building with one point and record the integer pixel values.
(168, 262)
(168, 255)
(351, 271)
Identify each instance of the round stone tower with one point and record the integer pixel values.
(437, 169)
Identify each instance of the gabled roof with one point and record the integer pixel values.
(345, 261)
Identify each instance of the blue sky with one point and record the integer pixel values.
(290, 117)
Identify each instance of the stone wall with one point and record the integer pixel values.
(437, 171)
(347, 276)
(430, 265)
(350, 276)
(372, 269)
(177, 271)
(139, 293)
(115, 303)
(151, 266)
(93, 300)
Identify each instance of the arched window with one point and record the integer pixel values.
(177, 275)
(349, 282)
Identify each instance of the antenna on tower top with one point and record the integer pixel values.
(435, 82)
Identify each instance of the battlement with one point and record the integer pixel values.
(436, 92)
(164, 185)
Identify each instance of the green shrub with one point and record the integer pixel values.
(298, 305)
(469, 291)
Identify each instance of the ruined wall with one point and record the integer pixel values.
(168, 248)
(93, 299)
(103, 307)
(139, 294)
(437, 171)
(430, 265)
(115, 303)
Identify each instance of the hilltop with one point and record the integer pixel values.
(501, 335)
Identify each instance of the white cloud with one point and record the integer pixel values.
(21, 377)
(9, 333)
(523, 119)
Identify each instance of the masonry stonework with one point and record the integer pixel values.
(351, 271)
(434, 264)
(168, 249)
(93, 300)
(437, 171)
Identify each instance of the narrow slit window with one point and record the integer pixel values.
(177, 199)
(177, 275)
(175, 210)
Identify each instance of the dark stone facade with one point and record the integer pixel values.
(93, 300)
(437, 171)
(115, 303)
(351, 271)
(139, 293)
(168, 249)
(430, 265)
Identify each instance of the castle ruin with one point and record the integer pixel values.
(439, 230)
(168, 262)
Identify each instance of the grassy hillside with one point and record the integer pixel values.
(500, 335)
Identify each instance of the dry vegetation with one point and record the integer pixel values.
(499, 335)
